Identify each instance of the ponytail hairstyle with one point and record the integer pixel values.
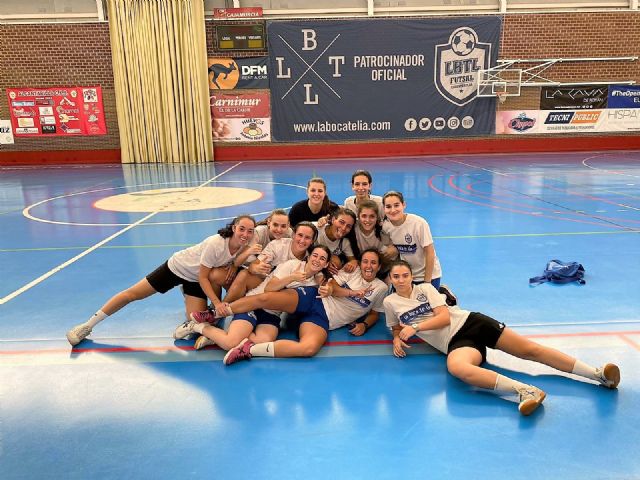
(227, 230)
(277, 211)
(373, 206)
(315, 233)
(326, 203)
(400, 263)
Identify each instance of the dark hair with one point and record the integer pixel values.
(351, 236)
(277, 211)
(392, 193)
(312, 227)
(373, 250)
(327, 250)
(400, 263)
(326, 203)
(227, 230)
(364, 173)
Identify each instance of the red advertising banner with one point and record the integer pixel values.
(56, 111)
(237, 13)
(240, 117)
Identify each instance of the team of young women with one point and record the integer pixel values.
(322, 267)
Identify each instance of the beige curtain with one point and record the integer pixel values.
(161, 85)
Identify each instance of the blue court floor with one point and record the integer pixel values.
(130, 402)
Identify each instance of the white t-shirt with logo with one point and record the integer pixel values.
(410, 238)
(419, 307)
(212, 252)
(371, 241)
(342, 311)
(341, 245)
(277, 252)
(261, 235)
(350, 203)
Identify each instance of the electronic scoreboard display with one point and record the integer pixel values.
(241, 37)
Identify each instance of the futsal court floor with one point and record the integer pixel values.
(130, 402)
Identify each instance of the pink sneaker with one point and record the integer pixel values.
(204, 316)
(242, 351)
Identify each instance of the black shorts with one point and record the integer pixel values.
(479, 332)
(162, 279)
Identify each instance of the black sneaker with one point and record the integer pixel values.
(451, 298)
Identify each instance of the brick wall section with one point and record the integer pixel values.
(50, 55)
(47, 55)
(571, 35)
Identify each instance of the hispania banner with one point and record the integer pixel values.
(57, 111)
(519, 122)
(574, 98)
(229, 73)
(240, 117)
(381, 79)
(623, 96)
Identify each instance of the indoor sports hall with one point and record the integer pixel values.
(86, 214)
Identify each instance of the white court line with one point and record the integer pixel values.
(55, 270)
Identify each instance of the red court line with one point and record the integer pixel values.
(630, 342)
(620, 334)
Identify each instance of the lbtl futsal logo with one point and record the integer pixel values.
(457, 64)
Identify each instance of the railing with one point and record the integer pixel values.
(18, 11)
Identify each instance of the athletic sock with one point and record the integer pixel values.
(198, 327)
(96, 318)
(508, 385)
(263, 350)
(584, 370)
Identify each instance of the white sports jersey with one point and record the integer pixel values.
(277, 252)
(212, 252)
(371, 241)
(410, 238)
(418, 307)
(261, 235)
(284, 270)
(337, 247)
(350, 203)
(345, 310)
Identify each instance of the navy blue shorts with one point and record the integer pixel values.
(162, 279)
(479, 331)
(309, 309)
(258, 317)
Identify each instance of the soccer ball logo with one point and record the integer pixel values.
(463, 41)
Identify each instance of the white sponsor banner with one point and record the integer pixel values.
(523, 122)
(621, 120)
(6, 134)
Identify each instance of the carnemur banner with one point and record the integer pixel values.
(381, 79)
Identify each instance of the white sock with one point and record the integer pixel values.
(198, 327)
(263, 350)
(508, 385)
(584, 370)
(96, 318)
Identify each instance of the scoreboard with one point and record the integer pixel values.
(241, 36)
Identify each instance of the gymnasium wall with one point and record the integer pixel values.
(78, 54)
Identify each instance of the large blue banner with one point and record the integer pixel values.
(381, 79)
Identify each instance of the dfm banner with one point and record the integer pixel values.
(229, 73)
(57, 111)
(381, 79)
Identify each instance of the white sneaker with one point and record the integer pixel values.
(202, 342)
(78, 333)
(530, 398)
(184, 329)
(609, 375)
